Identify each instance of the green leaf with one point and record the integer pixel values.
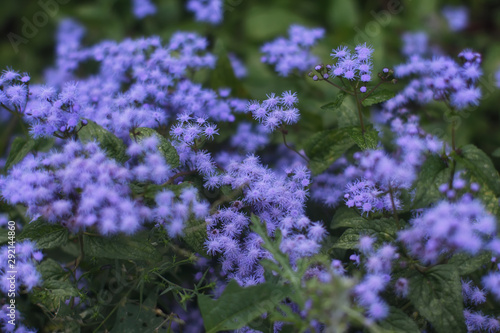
(238, 306)
(437, 295)
(56, 287)
(325, 147)
(23, 146)
(114, 147)
(339, 99)
(384, 230)
(378, 96)
(136, 247)
(346, 218)
(132, 318)
(165, 147)
(467, 264)
(19, 149)
(433, 173)
(475, 160)
(195, 234)
(398, 322)
(46, 235)
(223, 74)
(367, 140)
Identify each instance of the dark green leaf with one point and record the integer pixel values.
(467, 264)
(475, 160)
(238, 306)
(384, 230)
(378, 96)
(223, 74)
(46, 235)
(339, 99)
(114, 147)
(195, 235)
(398, 322)
(165, 147)
(4, 236)
(367, 140)
(19, 149)
(56, 287)
(437, 295)
(324, 148)
(433, 173)
(132, 318)
(136, 247)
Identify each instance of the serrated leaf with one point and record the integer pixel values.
(19, 149)
(238, 306)
(475, 160)
(433, 173)
(437, 295)
(165, 147)
(46, 235)
(195, 234)
(56, 287)
(378, 96)
(383, 230)
(398, 322)
(132, 318)
(325, 147)
(367, 140)
(339, 99)
(467, 264)
(112, 145)
(136, 247)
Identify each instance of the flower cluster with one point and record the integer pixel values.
(209, 11)
(79, 187)
(353, 66)
(14, 90)
(173, 214)
(440, 78)
(448, 228)
(27, 276)
(476, 320)
(378, 263)
(278, 201)
(457, 17)
(143, 8)
(275, 110)
(293, 53)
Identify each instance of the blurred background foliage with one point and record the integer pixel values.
(249, 23)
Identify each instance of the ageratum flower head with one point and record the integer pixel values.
(78, 187)
(278, 201)
(355, 65)
(292, 53)
(209, 11)
(275, 111)
(450, 227)
(440, 78)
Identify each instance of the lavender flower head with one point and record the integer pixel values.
(292, 53)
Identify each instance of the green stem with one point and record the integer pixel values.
(360, 114)
(292, 149)
(339, 87)
(372, 90)
(396, 218)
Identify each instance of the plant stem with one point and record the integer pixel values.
(360, 114)
(292, 149)
(339, 87)
(372, 90)
(396, 218)
(453, 124)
